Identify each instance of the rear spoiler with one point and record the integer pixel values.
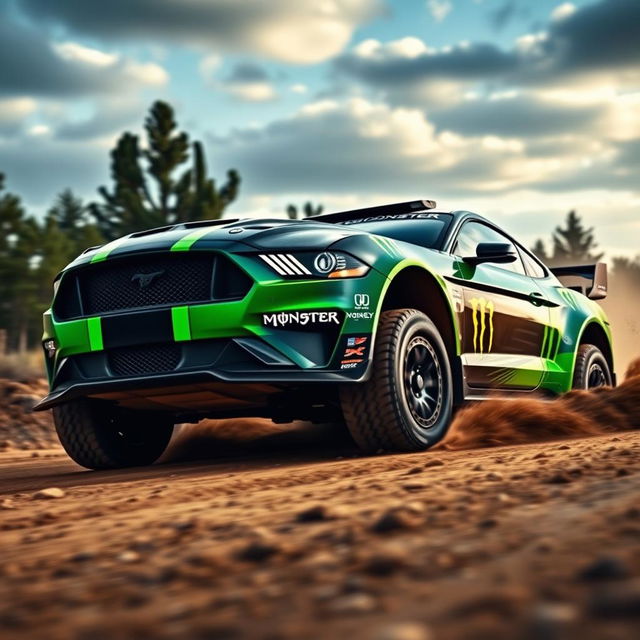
(596, 274)
(386, 210)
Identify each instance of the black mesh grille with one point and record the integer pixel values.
(135, 361)
(149, 281)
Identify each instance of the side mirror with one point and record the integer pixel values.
(599, 287)
(500, 252)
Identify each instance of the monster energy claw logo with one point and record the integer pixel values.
(482, 315)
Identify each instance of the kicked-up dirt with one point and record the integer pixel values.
(524, 523)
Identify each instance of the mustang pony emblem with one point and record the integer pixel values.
(145, 279)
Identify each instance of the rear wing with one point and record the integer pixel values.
(406, 209)
(574, 277)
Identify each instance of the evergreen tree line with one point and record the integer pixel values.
(163, 181)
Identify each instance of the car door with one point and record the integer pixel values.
(505, 317)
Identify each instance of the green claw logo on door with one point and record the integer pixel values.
(482, 316)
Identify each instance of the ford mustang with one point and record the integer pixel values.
(386, 318)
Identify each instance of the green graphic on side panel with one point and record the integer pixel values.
(569, 298)
(545, 338)
(550, 342)
(387, 245)
(502, 377)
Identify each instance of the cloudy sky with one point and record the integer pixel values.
(518, 109)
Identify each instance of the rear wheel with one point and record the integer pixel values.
(591, 370)
(99, 436)
(406, 405)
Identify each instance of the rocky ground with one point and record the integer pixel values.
(289, 534)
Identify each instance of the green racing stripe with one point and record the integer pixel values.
(185, 243)
(104, 251)
(94, 327)
(181, 323)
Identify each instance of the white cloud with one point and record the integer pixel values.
(298, 88)
(79, 53)
(39, 130)
(147, 73)
(209, 65)
(294, 31)
(404, 48)
(249, 82)
(252, 91)
(563, 11)
(439, 9)
(356, 145)
(13, 110)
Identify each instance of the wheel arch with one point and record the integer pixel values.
(594, 333)
(414, 287)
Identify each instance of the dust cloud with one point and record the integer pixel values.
(576, 414)
(241, 436)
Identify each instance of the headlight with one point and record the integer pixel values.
(328, 264)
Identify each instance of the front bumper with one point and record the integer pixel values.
(229, 343)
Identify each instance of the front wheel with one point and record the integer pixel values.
(97, 435)
(406, 405)
(591, 370)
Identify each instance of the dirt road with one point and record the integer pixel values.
(301, 539)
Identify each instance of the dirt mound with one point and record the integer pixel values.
(578, 413)
(20, 428)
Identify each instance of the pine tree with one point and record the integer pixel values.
(47, 249)
(540, 250)
(574, 244)
(148, 191)
(70, 216)
(14, 269)
(308, 209)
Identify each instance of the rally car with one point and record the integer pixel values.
(386, 318)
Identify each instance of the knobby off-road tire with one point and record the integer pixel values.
(592, 370)
(392, 410)
(99, 436)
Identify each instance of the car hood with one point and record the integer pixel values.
(234, 235)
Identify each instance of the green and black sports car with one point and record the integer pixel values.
(387, 318)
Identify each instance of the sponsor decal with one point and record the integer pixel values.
(299, 318)
(359, 315)
(350, 364)
(145, 280)
(482, 317)
(361, 301)
(355, 352)
(403, 216)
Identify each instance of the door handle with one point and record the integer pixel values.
(536, 299)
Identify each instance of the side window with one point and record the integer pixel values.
(533, 267)
(473, 233)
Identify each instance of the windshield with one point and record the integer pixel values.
(426, 229)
